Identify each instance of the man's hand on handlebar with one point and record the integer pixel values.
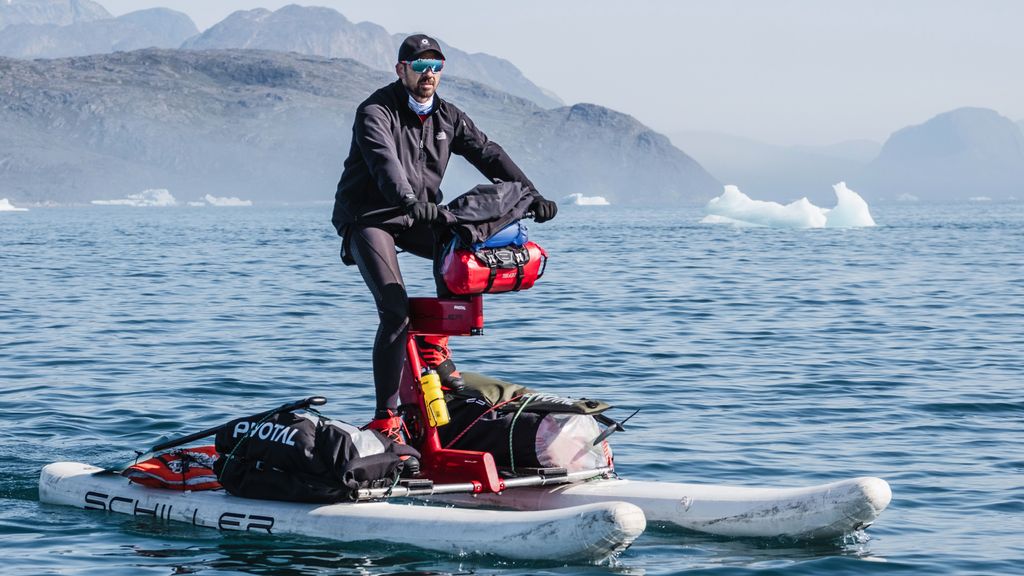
(543, 209)
(421, 211)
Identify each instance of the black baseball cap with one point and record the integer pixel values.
(417, 44)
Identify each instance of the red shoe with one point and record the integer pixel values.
(435, 354)
(393, 427)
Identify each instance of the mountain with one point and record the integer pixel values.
(273, 126)
(596, 151)
(155, 27)
(53, 12)
(326, 32)
(487, 69)
(961, 154)
(780, 173)
(175, 27)
(305, 30)
(855, 150)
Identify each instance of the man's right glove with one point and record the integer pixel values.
(421, 211)
(543, 209)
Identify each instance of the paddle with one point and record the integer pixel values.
(284, 408)
(612, 426)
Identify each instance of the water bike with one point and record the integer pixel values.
(539, 513)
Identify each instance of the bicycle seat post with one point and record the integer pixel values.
(459, 316)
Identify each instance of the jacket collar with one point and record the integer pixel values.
(402, 96)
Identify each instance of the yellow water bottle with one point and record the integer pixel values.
(433, 397)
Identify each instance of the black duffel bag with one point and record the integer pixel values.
(305, 457)
(523, 428)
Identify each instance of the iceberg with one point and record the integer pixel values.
(159, 197)
(735, 207)
(6, 206)
(232, 201)
(578, 199)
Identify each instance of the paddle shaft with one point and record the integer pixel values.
(290, 407)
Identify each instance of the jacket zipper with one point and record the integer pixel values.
(423, 156)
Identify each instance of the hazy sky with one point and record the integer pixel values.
(780, 71)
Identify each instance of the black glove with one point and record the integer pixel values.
(543, 209)
(421, 211)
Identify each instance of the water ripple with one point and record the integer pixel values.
(757, 357)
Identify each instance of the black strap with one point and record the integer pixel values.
(520, 274)
(490, 279)
(519, 258)
(486, 255)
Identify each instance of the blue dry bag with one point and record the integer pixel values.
(515, 234)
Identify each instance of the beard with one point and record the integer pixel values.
(424, 88)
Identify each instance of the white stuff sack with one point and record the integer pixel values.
(567, 441)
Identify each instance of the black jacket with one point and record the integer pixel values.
(394, 154)
(486, 209)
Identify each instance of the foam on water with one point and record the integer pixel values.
(578, 199)
(6, 206)
(153, 197)
(735, 207)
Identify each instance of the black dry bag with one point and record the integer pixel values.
(305, 457)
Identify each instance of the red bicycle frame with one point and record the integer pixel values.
(443, 317)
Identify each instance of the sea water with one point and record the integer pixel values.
(758, 356)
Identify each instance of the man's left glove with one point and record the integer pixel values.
(543, 209)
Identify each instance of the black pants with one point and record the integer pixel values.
(373, 249)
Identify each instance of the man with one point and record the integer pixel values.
(388, 196)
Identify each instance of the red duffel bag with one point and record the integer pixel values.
(182, 469)
(492, 270)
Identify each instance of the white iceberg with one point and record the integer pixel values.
(735, 207)
(159, 197)
(851, 210)
(232, 201)
(6, 206)
(581, 200)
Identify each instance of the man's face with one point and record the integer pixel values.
(421, 86)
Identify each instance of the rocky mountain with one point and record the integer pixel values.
(326, 32)
(961, 154)
(39, 30)
(596, 151)
(51, 12)
(780, 173)
(152, 28)
(273, 126)
(305, 30)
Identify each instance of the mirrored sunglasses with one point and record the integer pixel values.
(423, 64)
